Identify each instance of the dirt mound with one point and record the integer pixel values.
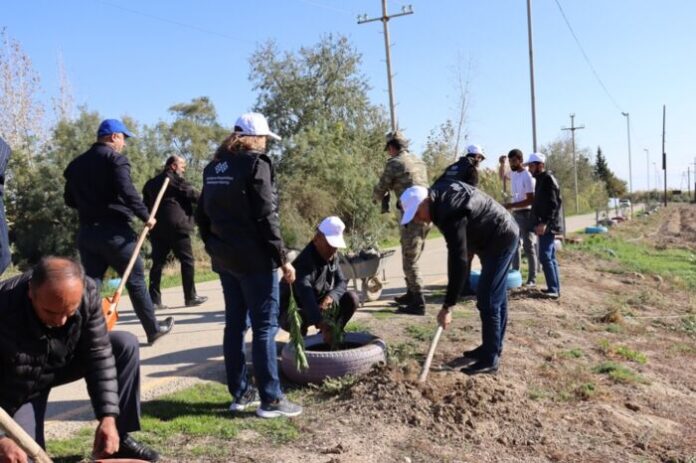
(450, 405)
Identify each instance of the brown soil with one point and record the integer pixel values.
(549, 402)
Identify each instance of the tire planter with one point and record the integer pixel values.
(334, 364)
(514, 279)
(596, 230)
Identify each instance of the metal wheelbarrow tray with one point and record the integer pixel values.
(366, 266)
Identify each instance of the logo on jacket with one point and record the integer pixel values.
(220, 168)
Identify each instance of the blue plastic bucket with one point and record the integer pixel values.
(514, 279)
(596, 230)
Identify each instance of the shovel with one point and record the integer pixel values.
(109, 304)
(429, 359)
(24, 440)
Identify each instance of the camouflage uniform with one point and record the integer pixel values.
(401, 172)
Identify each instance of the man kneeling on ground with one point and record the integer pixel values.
(52, 332)
(320, 282)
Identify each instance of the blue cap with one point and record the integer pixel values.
(109, 126)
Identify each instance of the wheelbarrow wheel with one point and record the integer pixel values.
(371, 288)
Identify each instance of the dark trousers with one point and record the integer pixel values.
(491, 299)
(180, 244)
(111, 244)
(347, 306)
(251, 298)
(31, 415)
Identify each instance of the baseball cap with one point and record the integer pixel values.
(410, 200)
(254, 124)
(332, 229)
(535, 157)
(109, 126)
(475, 149)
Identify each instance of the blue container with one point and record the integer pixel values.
(514, 279)
(596, 230)
(112, 284)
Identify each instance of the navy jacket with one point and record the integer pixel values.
(546, 207)
(471, 221)
(32, 356)
(99, 185)
(237, 213)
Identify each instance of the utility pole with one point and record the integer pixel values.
(664, 154)
(628, 134)
(531, 72)
(572, 129)
(647, 156)
(688, 181)
(406, 10)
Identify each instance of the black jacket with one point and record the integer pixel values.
(31, 355)
(471, 221)
(175, 213)
(316, 279)
(98, 184)
(237, 213)
(463, 170)
(546, 207)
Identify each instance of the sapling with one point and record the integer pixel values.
(332, 318)
(296, 337)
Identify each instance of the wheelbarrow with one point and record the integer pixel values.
(365, 266)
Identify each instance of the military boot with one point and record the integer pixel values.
(415, 307)
(404, 299)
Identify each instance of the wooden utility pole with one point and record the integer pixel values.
(572, 129)
(406, 10)
(531, 73)
(664, 154)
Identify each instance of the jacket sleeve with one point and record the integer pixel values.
(202, 220)
(549, 199)
(386, 181)
(263, 209)
(340, 284)
(306, 300)
(100, 365)
(454, 232)
(123, 185)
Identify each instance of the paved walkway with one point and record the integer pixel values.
(193, 350)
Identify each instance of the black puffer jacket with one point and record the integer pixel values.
(237, 213)
(31, 355)
(463, 170)
(175, 213)
(472, 222)
(547, 204)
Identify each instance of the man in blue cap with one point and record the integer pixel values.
(99, 186)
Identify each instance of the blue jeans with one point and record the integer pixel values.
(112, 244)
(547, 256)
(251, 298)
(491, 299)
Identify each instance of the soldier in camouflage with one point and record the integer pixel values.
(404, 170)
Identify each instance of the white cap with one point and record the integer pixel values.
(410, 200)
(254, 124)
(332, 229)
(475, 149)
(535, 157)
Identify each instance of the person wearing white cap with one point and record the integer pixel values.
(320, 282)
(238, 219)
(470, 220)
(466, 168)
(546, 218)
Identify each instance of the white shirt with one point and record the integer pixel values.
(521, 183)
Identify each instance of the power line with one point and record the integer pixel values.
(587, 59)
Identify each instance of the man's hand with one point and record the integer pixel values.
(326, 303)
(10, 452)
(288, 273)
(540, 229)
(325, 332)
(444, 318)
(106, 440)
(151, 223)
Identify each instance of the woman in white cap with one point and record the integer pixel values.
(238, 218)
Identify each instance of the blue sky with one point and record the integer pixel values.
(140, 57)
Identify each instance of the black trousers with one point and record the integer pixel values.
(347, 306)
(31, 415)
(180, 244)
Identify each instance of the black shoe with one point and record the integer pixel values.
(164, 327)
(198, 300)
(404, 299)
(132, 449)
(415, 307)
(475, 354)
(550, 294)
(481, 367)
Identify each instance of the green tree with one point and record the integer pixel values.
(440, 150)
(614, 186)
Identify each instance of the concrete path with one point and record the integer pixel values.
(194, 349)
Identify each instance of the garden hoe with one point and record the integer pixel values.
(109, 304)
(429, 359)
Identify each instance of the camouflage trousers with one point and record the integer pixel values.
(412, 243)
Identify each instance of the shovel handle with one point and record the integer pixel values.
(24, 440)
(431, 352)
